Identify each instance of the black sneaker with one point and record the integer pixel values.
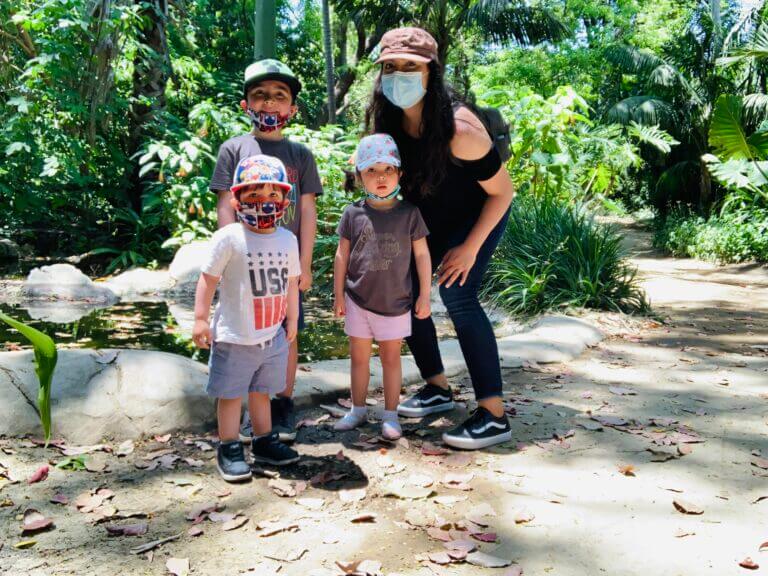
(428, 400)
(283, 418)
(480, 430)
(269, 450)
(230, 461)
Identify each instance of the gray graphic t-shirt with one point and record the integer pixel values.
(379, 270)
(299, 164)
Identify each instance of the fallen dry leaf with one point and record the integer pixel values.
(763, 546)
(355, 495)
(429, 449)
(407, 492)
(289, 555)
(440, 557)
(178, 566)
(749, 564)
(627, 470)
(760, 463)
(268, 528)
(125, 448)
(234, 524)
(684, 449)
(59, 498)
(195, 531)
(127, 529)
(524, 516)
(80, 450)
(487, 560)
(686, 507)
(220, 516)
(34, 522)
(311, 503)
(283, 488)
(619, 391)
(683, 533)
(363, 517)
(154, 544)
(514, 570)
(420, 480)
(439, 534)
(484, 536)
(202, 510)
(24, 544)
(163, 439)
(39, 475)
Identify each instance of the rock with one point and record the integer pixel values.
(60, 312)
(184, 315)
(9, 250)
(140, 392)
(140, 281)
(65, 282)
(185, 268)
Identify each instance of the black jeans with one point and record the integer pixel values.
(474, 330)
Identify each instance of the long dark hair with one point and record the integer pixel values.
(422, 174)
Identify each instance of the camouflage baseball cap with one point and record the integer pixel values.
(270, 69)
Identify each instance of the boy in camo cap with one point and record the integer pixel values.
(270, 89)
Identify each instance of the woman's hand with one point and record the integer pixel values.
(201, 334)
(456, 265)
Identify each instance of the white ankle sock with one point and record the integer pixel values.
(390, 416)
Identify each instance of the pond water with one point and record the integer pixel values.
(158, 325)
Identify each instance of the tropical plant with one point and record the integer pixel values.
(554, 255)
(45, 364)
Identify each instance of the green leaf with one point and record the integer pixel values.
(14, 147)
(727, 135)
(45, 364)
(651, 135)
(21, 104)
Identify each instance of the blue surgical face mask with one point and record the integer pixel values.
(389, 196)
(403, 89)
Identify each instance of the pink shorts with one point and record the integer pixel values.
(361, 323)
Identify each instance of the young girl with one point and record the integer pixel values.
(372, 277)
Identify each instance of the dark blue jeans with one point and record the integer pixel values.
(474, 330)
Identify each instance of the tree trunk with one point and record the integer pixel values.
(264, 26)
(328, 48)
(150, 75)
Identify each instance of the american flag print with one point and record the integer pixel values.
(269, 310)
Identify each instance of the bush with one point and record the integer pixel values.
(555, 255)
(729, 237)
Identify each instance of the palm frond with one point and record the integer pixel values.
(756, 108)
(632, 60)
(653, 136)
(664, 75)
(645, 110)
(756, 48)
(737, 173)
(508, 20)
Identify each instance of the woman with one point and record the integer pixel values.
(454, 175)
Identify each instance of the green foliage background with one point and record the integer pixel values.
(613, 105)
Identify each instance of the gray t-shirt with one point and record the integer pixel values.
(379, 269)
(299, 164)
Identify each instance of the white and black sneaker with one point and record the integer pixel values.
(480, 430)
(230, 461)
(429, 400)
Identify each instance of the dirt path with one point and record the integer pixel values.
(693, 389)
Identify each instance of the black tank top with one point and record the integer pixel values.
(457, 201)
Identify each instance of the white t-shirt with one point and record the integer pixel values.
(253, 293)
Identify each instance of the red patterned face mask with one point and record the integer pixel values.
(262, 215)
(268, 121)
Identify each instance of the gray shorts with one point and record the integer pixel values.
(237, 369)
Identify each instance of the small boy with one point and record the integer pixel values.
(270, 90)
(258, 265)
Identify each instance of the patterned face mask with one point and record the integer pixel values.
(262, 215)
(267, 121)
